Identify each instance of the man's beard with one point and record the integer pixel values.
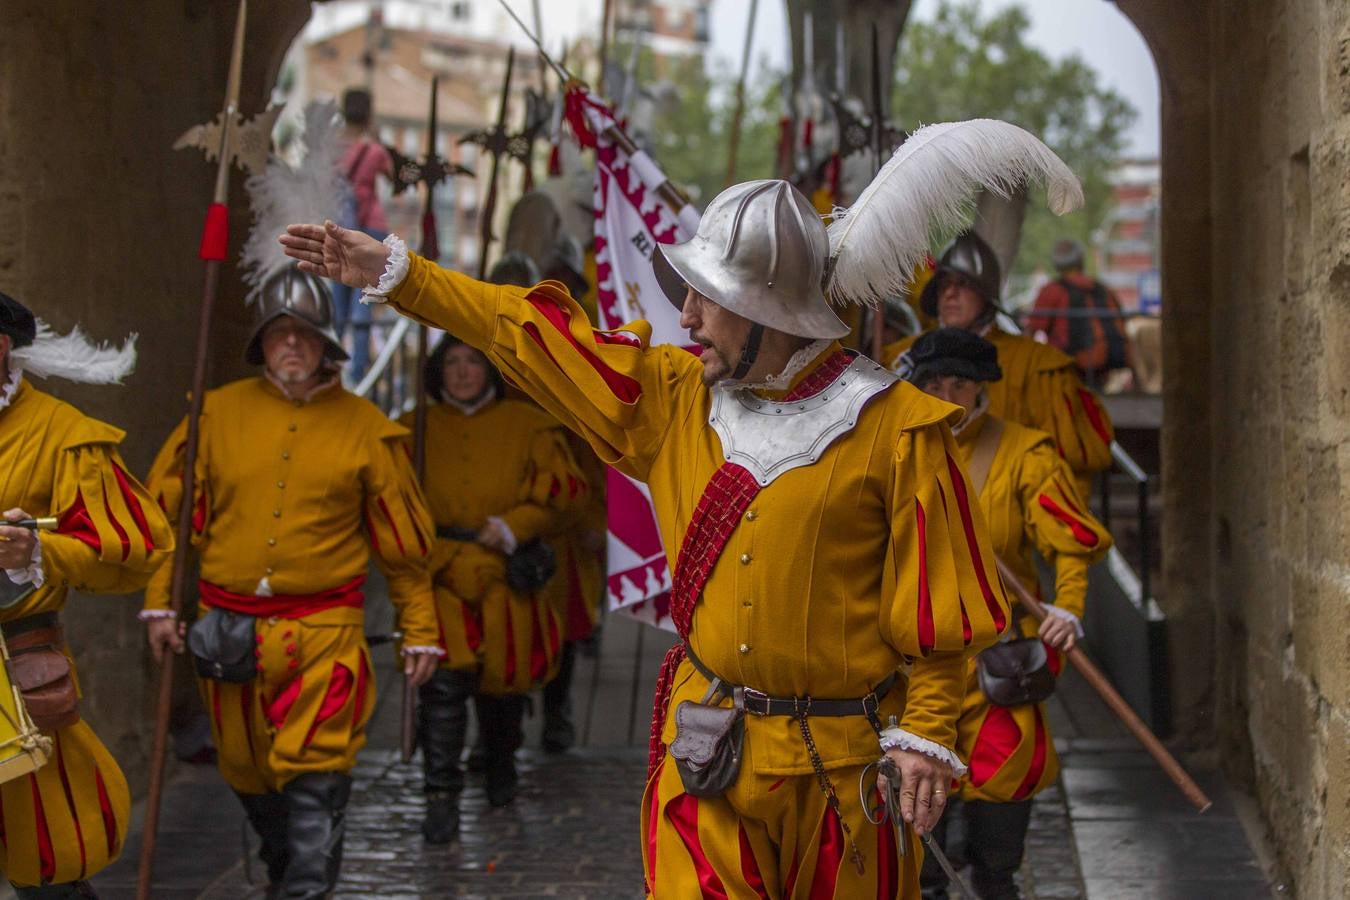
(295, 376)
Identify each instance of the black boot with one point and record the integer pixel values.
(500, 719)
(66, 890)
(314, 833)
(994, 846)
(443, 718)
(559, 733)
(267, 814)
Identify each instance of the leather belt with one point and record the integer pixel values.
(759, 703)
(457, 533)
(26, 624)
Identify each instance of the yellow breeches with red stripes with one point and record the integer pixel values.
(770, 837)
(307, 709)
(67, 820)
(512, 640)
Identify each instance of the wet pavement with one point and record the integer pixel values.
(1114, 829)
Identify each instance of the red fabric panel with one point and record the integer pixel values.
(653, 820)
(994, 745)
(215, 232)
(927, 630)
(280, 707)
(682, 811)
(966, 632)
(46, 854)
(791, 881)
(70, 804)
(134, 505)
(473, 628)
(199, 514)
(1094, 414)
(338, 693)
(284, 606)
(1081, 533)
(665, 684)
(888, 861)
(117, 526)
(622, 386)
(777, 784)
(968, 524)
(829, 855)
(398, 538)
(1037, 767)
(75, 522)
(105, 807)
(750, 866)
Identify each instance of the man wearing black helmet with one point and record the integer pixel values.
(297, 482)
(1040, 387)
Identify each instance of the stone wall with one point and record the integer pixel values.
(1256, 211)
(99, 223)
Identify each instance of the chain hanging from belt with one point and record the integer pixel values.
(826, 786)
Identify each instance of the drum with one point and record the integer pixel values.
(23, 748)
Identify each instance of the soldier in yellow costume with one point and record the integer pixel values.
(823, 533)
(66, 821)
(1027, 494)
(297, 483)
(1041, 387)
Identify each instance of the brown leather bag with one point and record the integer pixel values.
(38, 666)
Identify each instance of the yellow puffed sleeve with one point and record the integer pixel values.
(552, 489)
(948, 601)
(609, 387)
(1062, 406)
(1059, 524)
(165, 484)
(400, 531)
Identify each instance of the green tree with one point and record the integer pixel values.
(963, 64)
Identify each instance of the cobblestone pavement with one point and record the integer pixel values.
(1113, 829)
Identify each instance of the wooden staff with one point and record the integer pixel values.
(212, 251)
(1094, 676)
(736, 118)
(878, 139)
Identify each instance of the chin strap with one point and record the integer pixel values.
(749, 352)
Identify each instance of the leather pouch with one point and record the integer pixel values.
(531, 566)
(707, 746)
(41, 671)
(1015, 673)
(222, 644)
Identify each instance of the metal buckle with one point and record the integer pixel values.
(758, 697)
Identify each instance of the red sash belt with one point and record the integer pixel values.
(285, 606)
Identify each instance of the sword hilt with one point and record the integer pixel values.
(43, 523)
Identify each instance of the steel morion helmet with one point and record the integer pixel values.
(760, 252)
(970, 256)
(290, 292)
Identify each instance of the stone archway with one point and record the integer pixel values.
(99, 224)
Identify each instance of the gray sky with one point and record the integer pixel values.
(1094, 29)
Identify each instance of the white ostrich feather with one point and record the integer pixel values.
(75, 358)
(927, 188)
(281, 194)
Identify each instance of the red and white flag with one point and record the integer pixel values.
(631, 218)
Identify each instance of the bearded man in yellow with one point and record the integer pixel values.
(823, 533)
(297, 481)
(1040, 387)
(1027, 494)
(66, 821)
(499, 478)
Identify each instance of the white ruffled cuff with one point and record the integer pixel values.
(32, 573)
(511, 542)
(423, 650)
(395, 270)
(147, 615)
(1066, 616)
(898, 738)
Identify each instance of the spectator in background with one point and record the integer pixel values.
(363, 162)
(1096, 341)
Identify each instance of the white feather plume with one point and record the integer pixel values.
(75, 358)
(281, 194)
(927, 188)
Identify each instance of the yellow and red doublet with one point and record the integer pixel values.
(291, 498)
(833, 576)
(577, 589)
(1032, 506)
(68, 820)
(1041, 389)
(508, 460)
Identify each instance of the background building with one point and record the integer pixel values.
(1127, 244)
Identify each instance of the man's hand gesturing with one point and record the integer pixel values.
(343, 254)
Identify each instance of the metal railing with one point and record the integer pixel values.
(391, 381)
(1127, 466)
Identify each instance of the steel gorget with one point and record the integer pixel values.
(770, 437)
